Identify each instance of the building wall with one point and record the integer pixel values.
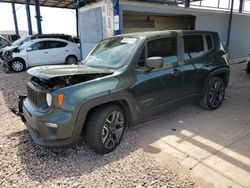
(97, 24)
(205, 20)
(146, 22)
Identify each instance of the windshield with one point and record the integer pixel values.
(26, 44)
(112, 53)
(21, 41)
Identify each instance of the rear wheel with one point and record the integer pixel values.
(214, 94)
(70, 60)
(17, 65)
(105, 128)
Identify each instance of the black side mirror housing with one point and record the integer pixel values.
(154, 62)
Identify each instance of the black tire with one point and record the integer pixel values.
(105, 128)
(214, 94)
(70, 60)
(17, 65)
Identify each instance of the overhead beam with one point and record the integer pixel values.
(15, 18)
(38, 17)
(27, 5)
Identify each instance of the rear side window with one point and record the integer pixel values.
(165, 48)
(56, 44)
(209, 42)
(193, 46)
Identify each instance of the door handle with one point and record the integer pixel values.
(45, 52)
(176, 72)
(66, 50)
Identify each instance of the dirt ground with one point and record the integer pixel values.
(24, 164)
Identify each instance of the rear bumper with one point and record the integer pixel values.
(62, 135)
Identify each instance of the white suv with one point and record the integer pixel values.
(43, 52)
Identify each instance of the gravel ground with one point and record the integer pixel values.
(24, 164)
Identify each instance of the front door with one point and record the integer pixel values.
(154, 89)
(38, 54)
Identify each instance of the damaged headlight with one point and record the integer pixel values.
(49, 99)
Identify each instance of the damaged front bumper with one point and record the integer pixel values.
(50, 129)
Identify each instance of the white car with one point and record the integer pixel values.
(44, 52)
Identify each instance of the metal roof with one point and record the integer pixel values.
(70, 4)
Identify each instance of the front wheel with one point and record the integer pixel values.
(105, 128)
(214, 94)
(17, 65)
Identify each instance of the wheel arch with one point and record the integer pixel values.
(222, 73)
(72, 56)
(20, 59)
(124, 100)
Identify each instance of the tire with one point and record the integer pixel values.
(105, 128)
(70, 60)
(214, 94)
(17, 65)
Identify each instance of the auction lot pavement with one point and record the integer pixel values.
(188, 147)
(213, 145)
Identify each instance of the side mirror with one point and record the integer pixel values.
(154, 62)
(28, 49)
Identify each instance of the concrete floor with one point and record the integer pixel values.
(214, 146)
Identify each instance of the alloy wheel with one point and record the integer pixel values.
(216, 94)
(112, 129)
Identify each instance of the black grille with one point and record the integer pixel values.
(36, 97)
(32, 94)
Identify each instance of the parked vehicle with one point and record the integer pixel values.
(123, 81)
(43, 52)
(3, 44)
(11, 37)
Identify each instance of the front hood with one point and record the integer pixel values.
(9, 48)
(52, 71)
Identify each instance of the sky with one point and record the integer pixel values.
(57, 20)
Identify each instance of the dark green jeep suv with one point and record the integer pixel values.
(124, 80)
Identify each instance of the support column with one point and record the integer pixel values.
(15, 19)
(187, 3)
(77, 25)
(230, 23)
(27, 5)
(38, 17)
(117, 30)
(241, 6)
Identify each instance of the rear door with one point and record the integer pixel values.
(154, 89)
(196, 60)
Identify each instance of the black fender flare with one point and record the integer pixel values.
(224, 70)
(85, 107)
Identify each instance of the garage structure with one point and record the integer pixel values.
(111, 17)
(136, 16)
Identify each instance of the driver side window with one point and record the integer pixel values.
(163, 47)
(39, 46)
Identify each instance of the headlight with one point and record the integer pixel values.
(49, 99)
